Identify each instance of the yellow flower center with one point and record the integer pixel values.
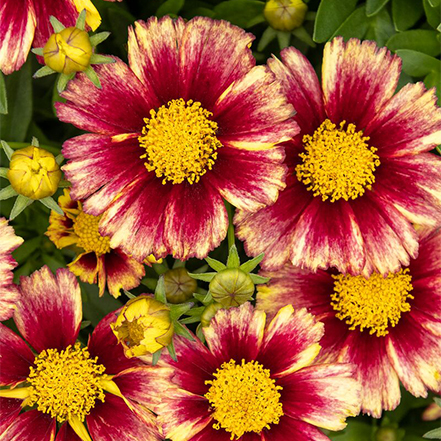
(337, 162)
(65, 384)
(86, 228)
(180, 141)
(244, 398)
(375, 303)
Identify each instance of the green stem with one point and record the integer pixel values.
(230, 234)
(22, 145)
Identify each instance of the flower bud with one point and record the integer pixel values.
(231, 287)
(34, 173)
(285, 15)
(143, 326)
(209, 312)
(387, 434)
(68, 51)
(179, 286)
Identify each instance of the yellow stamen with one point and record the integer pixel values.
(86, 228)
(244, 398)
(375, 303)
(65, 384)
(180, 141)
(337, 162)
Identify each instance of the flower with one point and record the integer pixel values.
(143, 326)
(389, 327)
(96, 260)
(8, 291)
(255, 382)
(360, 171)
(285, 15)
(200, 124)
(34, 173)
(68, 384)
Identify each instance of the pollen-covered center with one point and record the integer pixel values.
(375, 303)
(337, 162)
(244, 398)
(65, 384)
(86, 228)
(180, 141)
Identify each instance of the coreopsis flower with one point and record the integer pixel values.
(8, 291)
(360, 171)
(200, 123)
(390, 327)
(256, 382)
(80, 388)
(96, 261)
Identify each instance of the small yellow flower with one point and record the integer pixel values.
(68, 51)
(34, 173)
(285, 15)
(144, 326)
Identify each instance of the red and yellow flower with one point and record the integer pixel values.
(256, 383)
(389, 327)
(189, 122)
(8, 291)
(360, 171)
(96, 261)
(76, 386)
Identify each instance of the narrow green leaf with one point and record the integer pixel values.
(59, 159)
(56, 25)
(303, 35)
(215, 264)
(63, 79)
(190, 320)
(374, 6)
(101, 59)
(204, 298)
(433, 434)
(200, 334)
(419, 40)
(177, 310)
(156, 356)
(201, 269)
(434, 3)
(206, 277)
(406, 13)
(3, 97)
(85, 324)
(170, 7)
(20, 204)
(330, 15)
(178, 264)
(171, 351)
(43, 72)
(233, 260)
(247, 267)
(242, 13)
(81, 20)
(3, 172)
(284, 39)
(129, 295)
(257, 280)
(8, 151)
(433, 14)
(7, 192)
(35, 142)
(418, 64)
(160, 291)
(26, 249)
(269, 34)
(96, 39)
(92, 75)
(37, 51)
(434, 80)
(52, 205)
(355, 26)
(437, 400)
(160, 268)
(150, 283)
(182, 330)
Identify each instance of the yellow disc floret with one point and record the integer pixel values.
(375, 303)
(65, 384)
(337, 162)
(244, 398)
(86, 228)
(180, 141)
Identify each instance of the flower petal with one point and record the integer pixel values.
(66, 433)
(358, 79)
(18, 21)
(86, 266)
(49, 311)
(209, 433)
(249, 180)
(9, 410)
(236, 333)
(290, 342)
(30, 426)
(409, 124)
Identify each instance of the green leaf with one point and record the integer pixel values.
(205, 299)
(81, 20)
(7, 149)
(269, 34)
(101, 59)
(85, 324)
(64, 184)
(171, 351)
(129, 294)
(93, 76)
(330, 15)
(215, 264)
(177, 310)
(418, 64)
(239, 12)
(96, 39)
(374, 6)
(437, 400)
(257, 280)
(160, 268)
(57, 25)
(434, 80)
(283, 38)
(170, 7)
(22, 253)
(406, 13)
(355, 26)
(3, 172)
(52, 205)
(156, 356)
(381, 28)
(433, 434)
(233, 258)
(20, 204)
(419, 40)
(14, 125)
(206, 277)
(35, 142)
(355, 430)
(160, 291)
(37, 51)
(247, 267)
(3, 97)
(303, 35)
(200, 334)
(433, 14)
(43, 72)
(182, 330)
(435, 3)
(150, 283)
(7, 192)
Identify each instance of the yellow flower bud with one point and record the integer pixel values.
(231, 287)
(68, 51)
(143, 326)
(34, 173)
(285, 15)
(179, 286)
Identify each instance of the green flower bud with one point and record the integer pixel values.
(179, 286)
(209, 313)
(387, 434)
(285, 15)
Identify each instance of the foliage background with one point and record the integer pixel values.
(410, 28)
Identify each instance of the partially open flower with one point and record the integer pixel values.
(144, 326)
(285, 15)
(68, 51)
(179, 286)
(34, 173)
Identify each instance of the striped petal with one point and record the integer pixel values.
(17, 27)
(209, 433)
(89, 268)
(9, 410)
(49, 312)
(66, 433)
(358, 80)
(30, 426)
(293, 429)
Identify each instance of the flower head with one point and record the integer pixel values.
(285, 15)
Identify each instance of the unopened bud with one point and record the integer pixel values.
(285, 15)
(34, 173)
(179, 286)
(386, 434)
(209, 312)
(68, 51)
